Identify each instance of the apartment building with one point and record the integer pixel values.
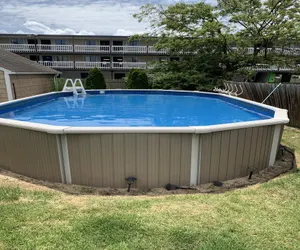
(75, 55)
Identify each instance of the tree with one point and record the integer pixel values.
(195, 33)
(213, 42)
(137, 79)
(265, 26)
(95, 79)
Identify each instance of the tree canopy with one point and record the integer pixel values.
(213, 42)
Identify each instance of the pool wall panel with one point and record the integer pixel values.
(231, 154)
(107, 159)
(30, 153)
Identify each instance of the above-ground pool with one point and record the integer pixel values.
(138, 109)
(159, 137)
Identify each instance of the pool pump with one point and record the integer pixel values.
(130, 181)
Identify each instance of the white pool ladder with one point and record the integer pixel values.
(75, 89)
(76, 101)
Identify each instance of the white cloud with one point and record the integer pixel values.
(124, 32)
(3, 32)
(20, 32)
(99, 17)
(102, 17)
(40, 28)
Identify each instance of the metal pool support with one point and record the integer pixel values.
(271, 92)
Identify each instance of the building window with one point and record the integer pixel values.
(47, 58)
(61, 42)
(32, 41)
(134, 59)
(60, 58)
(46, 42)
(117, 59)
(33, 58)
(90, 42)
(174, 59)
(104, 43)
(92, 59)
(17, 41)
(105, 59)
(133, 43)
(118, 43)
(162, 59)
(84, 75)
(118, 76)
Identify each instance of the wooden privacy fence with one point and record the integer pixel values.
(287, 96)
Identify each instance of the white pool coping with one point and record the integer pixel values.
(280, 117)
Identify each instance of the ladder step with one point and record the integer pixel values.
(75, 89)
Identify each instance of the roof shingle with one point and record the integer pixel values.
(19, 64)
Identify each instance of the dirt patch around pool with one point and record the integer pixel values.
(285, 163)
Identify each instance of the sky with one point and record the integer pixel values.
(75, 17)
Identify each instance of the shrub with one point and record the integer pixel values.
(137, 79)
(59, 84)
(95, 80)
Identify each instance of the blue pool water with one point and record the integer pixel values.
(120, 109)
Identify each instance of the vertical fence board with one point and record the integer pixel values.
(287, 96)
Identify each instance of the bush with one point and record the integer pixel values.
(95, 80)
(137, 79)
(59, 84)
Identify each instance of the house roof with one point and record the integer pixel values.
(19, 64)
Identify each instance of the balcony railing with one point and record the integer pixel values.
(29, 48)
(54, 48)
(90, 65)
(91, 48)
(153, 50)
(129, 65)
(58, 64)
(129, 49)
(265, 67)
(18, 47)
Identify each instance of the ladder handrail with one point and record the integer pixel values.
(81, 85)
(73, 88)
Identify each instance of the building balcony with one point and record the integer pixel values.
(18, 47)
(153, 50)
(129, 65)
(58, 64)
(91, 49)
(54, 48)
(90, 65)
(270, 68)
(129, 49)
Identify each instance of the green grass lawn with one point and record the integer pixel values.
(264, 216)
